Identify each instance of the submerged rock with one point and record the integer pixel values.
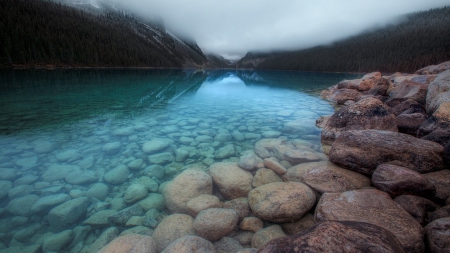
(233, 182)
(131, 243)
(189, 244)
(171, 228)
(214, 223)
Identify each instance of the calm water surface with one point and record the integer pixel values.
(66, 134)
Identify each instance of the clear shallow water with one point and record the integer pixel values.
(62, 131)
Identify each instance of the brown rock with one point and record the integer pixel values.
(416, 206)
(233, 182)
(131, 243)
(379, 88)
(396, 180)
(447, 154)
(374, 207)
(189, 184)
(265, 235)
(243, 237)
(441, 181)
(440, 213)
(407, 107)
(202, 202)
(252, 224)
(291, 228)
(340, 96)
(434, 69)
(171, 228)
(438, 235)
(189, 244)
(349, 84)
(440, 136)
(240, 205)
(438, 92)
(214, 223)
(410, 123)
(227, 244)
(364, 150)
(296, 156)
(369, 113)
(337, 236)
(408, 90)
(265, 176)
(281, 202)
(440, 120)
(274, 165)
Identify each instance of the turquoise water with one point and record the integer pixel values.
(65, 133)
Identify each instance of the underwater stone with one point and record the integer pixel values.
(118, 175)
(68, 213)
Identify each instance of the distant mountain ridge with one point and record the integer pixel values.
(421, 39)
(86, 33)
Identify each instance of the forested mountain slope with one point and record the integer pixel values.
(421, 39)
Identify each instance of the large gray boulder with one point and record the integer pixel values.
(232, 181)
(438, 92)
(364, 150)
(66, 214)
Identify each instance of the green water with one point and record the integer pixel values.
(62, 131)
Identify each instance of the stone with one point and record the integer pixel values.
(100, 218)
(186, 140)
(338, 236)
(223, 137)
(349, 84)
(43, 146)
(271, 134)
(57, 172)
(295, 157)
(189, 184)
(27, 162)
(118, 175)
(22, 206)
(266, 235)
(227, 244)
(67, 213)
(299, 126)
(135, 164)
(441, 181)
(408, 107)
(171, 228)
(253, 224)
(262, 152)
(438, 92)
(106, 237)
(240, 205)
(434, 69)
(124, 131)
(248, 162)
(154, 171)
(369, 113)
(363, 150)
(437, 235)
(447, 154)
(281, 202)
(214, 223)
(274, 165)
(407, 90)
(112, 148)
(57, 241)
(410, 123)
(225, 152)
(379, 88)
(161, 158)
(189, 244)
(81, 177)
(27, 179)
(232, 181)
(243, 237)
(5, 186)
(152, 201)
(204, 139)
(134, 193)
(44, 204)
(340, 96)
(98, 191)
(202, 202)
(396, 180)
(131, 243)
(65, 155)
(374, 207)
(20, 191)
(418, 207)
(181, 155)
(155, 145)
(141, 230)
(441, 136)
(439, 120)
(291, 228)
(442, 212)
(265, 176)
(120, 218)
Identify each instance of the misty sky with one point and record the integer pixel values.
(233, 27)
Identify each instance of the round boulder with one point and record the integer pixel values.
(281, 202)
(135, 192)
(214, 223)
(131, 243)
(118, 175)
(189, 244)
(233, 182)
(438, 235)
(202, 202)
(171, 228)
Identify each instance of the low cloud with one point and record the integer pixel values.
(234, 27)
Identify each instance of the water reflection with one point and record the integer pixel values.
(226, 85)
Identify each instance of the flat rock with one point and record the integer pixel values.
(202, 202)
(363, 150)
(67, 213)
(112, 148)
(81, 177)
(156, 145)
(100, 218)
(281, 202)
(374, 207)
(189, 244)
(131, 243)
(214, 223)
(118, 175)
(120, 218)
(22, 206)
(57, 241)
(171, 228)
(273, 164)
(225, 152)
(57, 172)
(338, 236)
(291, 228)
(267, 234)
(46, 203)
(232, 181)
(265, 176)
(189, 184)
(438, 235)
(407, 90)
(296, 156)
(135, 192)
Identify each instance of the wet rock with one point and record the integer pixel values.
(407, 90)
(291, 228)
(202, 202)
(135, 164)
(408, 107)
(225, 152)
(22, 206)
(240, 205)
(285, 113)
(265, 176)
(81, 177)
(98, 191)
(434, 69)
(369, 113)
(20, 191)
(233, 182)
(396, 180)
(418, 207)
(124, 131)
(161, 158)
(57, 172)
(338, 236)
(384, 212)
(100, 218)
(249, 162)
(340, 96)
(120, 218)
(438, 92)
(43, 146)
(379, 88)
(439, 120)
(438, 235)
(271, 134)
(44, 204)
(186, 186)
(349, 84)
(171, 228)
(252, 224)
(223, 137)
(27, 179)
(181, 155)
(57, 241)
(67, 213)
(152, 201)
(8, 174)
(300, 126)
(262, 152)
(265, 235)
(156, 145)
(150, 184)
(440, 213)
(410, 123)
(363, 150)
(295, 157)
(214, 223)
(112, 148)
(106, 237)
(131, 243)
(274, 165)
(281, 202)
(441, 181)
(27, 162)
(118, 175)
(5, 186)
(135, 192)
(227, 244)
(204, 139)
(441, 136)
(189, 244)
(65, 155)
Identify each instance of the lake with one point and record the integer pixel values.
(74, 141)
